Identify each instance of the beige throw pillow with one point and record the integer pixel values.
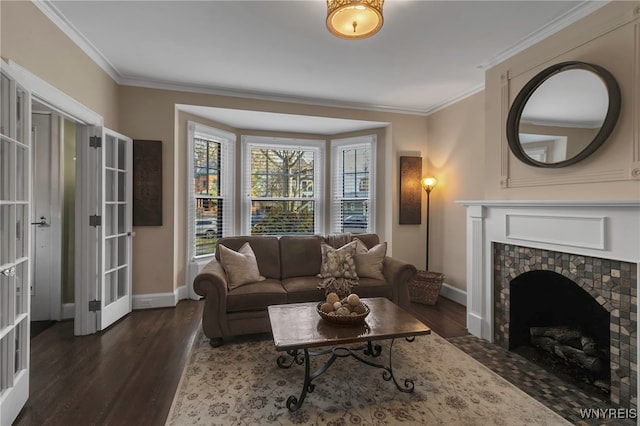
(241, 266)
(369, 261)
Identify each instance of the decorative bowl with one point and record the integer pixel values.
(344, 319)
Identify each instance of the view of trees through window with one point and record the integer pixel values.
(282, 191)
(208, 201)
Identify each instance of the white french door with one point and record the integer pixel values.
(15, 205)
(104, 229)
(115, 180)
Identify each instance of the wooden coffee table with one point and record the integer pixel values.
(297, 328)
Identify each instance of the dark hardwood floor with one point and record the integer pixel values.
(128, 374)
(446, 318)
(125, 375)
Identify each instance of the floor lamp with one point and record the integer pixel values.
(428, 183)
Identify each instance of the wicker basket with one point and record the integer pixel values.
(425, 287)
(342, 319)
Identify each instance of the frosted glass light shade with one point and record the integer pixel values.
(354, 19)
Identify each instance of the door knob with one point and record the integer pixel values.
(43, 221)
(10, 272)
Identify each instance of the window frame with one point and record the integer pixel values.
(319, 176)
(338, 146)
(227, 141)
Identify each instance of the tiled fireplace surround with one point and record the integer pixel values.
(594, 244)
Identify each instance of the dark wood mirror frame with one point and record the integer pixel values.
(515, 112)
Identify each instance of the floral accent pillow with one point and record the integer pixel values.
(338, 268)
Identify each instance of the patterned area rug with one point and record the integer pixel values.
(239, 383)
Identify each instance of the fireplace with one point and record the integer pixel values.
(546, 300)
(553, 264)
(544, 288)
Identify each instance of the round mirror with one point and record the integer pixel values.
(563, 114)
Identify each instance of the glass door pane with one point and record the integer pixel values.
(20, 114)
(5, 104)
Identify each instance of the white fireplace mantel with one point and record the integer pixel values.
(602, 229)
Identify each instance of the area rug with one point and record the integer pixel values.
(239, 383)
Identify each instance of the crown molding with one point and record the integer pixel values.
(49, 10)
(236, 93)
(580, 11)
(458, 98)
(52, 12)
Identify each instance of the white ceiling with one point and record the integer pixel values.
(427, 55)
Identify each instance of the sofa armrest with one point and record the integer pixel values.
(211, 278)
(398, 274)
(211, 283)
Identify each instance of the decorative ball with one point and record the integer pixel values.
(359, 309)
(332, 298)
(326, 308)
(337, 305)
(353, 299)
(343, 311)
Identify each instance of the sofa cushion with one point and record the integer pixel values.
(266, 249)
(303, 289)
(300, 255)
(371, 287)
(256, 296)
(240, 266)
(369, 262)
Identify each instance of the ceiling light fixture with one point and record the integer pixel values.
(354, 19)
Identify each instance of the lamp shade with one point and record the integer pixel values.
(354, 19)
(428, 183)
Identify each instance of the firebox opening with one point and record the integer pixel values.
(560, 326)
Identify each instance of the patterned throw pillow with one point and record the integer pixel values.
(338, 269)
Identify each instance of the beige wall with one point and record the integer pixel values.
(30, 39)
(160, 252)
(467, 146)
(34, 42)
(609, 38)
(455, 156)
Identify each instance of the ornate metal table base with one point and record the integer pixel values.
(302, 356)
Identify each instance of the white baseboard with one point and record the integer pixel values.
(454, 293)
(181, 293)
(153, 300)
(68, 311)
(140, 301)
(160, 300)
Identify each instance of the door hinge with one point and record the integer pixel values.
(95, 220)
(95, 142)
(94, 305)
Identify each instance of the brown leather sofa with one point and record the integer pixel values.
(290, 265)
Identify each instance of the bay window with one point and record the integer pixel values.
(353, 184)
(282, 181)
(210, 214)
